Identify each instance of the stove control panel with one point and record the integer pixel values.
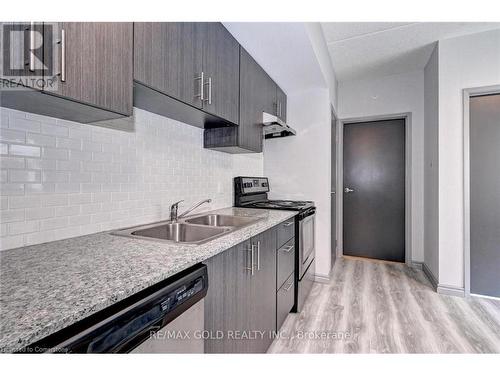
(251, 185)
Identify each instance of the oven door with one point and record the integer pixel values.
(306, 243)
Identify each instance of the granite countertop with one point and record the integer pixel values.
(46, 287)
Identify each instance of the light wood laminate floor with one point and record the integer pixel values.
(378, 307)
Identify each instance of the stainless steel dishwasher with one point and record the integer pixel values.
(165, 318)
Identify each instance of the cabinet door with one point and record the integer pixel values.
(221, 62)
(281, 103)
(168, 58)
(23, 64)
(269, 102)
(252, 91)
(263, 306)
(96, 66)
(228, 300)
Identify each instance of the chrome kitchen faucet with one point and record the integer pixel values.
(175, 207)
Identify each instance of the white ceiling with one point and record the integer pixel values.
(372, 49)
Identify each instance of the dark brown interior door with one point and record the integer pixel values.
(485, 195)
(374, 190)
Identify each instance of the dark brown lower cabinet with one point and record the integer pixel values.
(227, 300)
(240, 307)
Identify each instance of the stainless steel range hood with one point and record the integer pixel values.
(274, 127)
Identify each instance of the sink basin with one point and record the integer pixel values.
(177, 232)
(191, 230)
(215, 220)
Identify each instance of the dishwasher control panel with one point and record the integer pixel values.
(186, 291)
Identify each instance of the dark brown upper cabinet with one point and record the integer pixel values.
(221, 63)
(258, 94)
(95, 64)
(168, 58)
(280, 104)
(248, 136)
(191, 63)
(91, 65)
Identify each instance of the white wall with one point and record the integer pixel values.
(299, 167)
(63, 179)
(464, 62)
(431, 165)
(318, 42)
(389, 95)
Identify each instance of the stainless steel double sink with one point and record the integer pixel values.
(191, 230)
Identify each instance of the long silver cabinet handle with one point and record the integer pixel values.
(288, 248)
(258, 255)
(32, 46)
(251, 269)
(209, 84)
(63, 55)
(201, 95)
(288, 223)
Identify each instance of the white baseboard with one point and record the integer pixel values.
(430, 276)
(417, 265)
(451, 290)
(322, 279)
(487, 297)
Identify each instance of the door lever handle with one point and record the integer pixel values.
(348, 190)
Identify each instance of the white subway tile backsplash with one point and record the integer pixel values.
(80, 177)
(24, 124)
(21, 150)
(79, 220)
(68, 165)
(40, 213)
(55, 176)
(93, 179)
(75, 199)
(24, 201)
(4, 203)
(40, 140)
(39, 237)
(40, 164)
(54, 223)
(9, 135)
(23, 227)
(80, 155)
(8, 162)
(73, 144)
(91, 188)
(54, 200)
(68, 211)
(54, 130)
(9, 189)
(67, 187)
(10, 242)
(80, 132)
(20, 175)
(55, 153)
(9, 216)
(43, 188)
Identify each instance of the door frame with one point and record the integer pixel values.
(467, 94)
(332, 188)
(407, 117)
